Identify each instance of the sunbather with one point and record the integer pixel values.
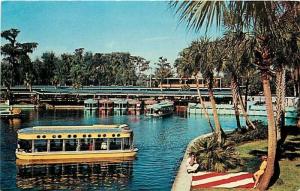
(191, 163)
(261, 170)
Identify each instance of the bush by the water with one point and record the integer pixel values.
(244, 135)
(215, 156)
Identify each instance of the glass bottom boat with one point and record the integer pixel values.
(71, 143)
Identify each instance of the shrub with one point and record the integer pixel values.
(214, 156)
(244, 135)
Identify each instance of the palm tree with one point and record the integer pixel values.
(261, 17)
(207, 59)
(187, 67)
(236, 46)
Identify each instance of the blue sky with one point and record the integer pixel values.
(147, 29)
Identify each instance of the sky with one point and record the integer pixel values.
(143, 28)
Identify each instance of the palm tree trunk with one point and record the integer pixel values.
(245, 114)
(235, 101)
(203, 105)
(215, 114)
(280, 101)
(272, 140)
(246, 94)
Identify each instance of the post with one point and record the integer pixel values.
(107, 144)
(93, 147)
(122, 144)
(64, 145)
(48, 145)
(78, 145)
(32, 145)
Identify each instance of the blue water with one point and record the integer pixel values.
(161, 143)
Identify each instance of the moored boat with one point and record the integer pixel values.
(90, 104)
(106, 105)
(134, 106)
(161, 109)
(69, 143)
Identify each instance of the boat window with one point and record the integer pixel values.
(126, 143)
(56, 145)
(40, 145)
(24, 145)
(115, 144)
(86, 144)
(71, 144)
(101, 144)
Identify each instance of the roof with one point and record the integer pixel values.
(90, 101)
(75, 129)
(161, 105)
(119, 101)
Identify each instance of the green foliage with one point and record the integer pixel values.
(17, 66)
(163, 70)
(77, 69)
(215, 156)
(244, 135)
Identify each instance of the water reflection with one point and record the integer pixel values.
(13, 122)
(96, 175)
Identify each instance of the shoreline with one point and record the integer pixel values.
(183, 180)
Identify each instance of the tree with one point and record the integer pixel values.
(163, 70)
(261, 17)
(141, 65)
(15, 53)
(77, 71)
(187, 67)
(237, 47)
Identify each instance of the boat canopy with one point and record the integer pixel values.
(90, 101)
(119, 101)
(160, 105)
(69, 132)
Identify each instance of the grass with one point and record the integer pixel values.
(289, 165)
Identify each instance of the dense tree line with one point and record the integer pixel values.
(77, 69)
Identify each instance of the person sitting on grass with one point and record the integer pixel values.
(191, 163)
(261, 170)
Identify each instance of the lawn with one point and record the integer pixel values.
(289, 164)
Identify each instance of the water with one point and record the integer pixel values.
(161, 143)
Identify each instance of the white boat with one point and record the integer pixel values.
(161, 109)
(90, 104)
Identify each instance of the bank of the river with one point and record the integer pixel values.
(183, 180)
(289, 164)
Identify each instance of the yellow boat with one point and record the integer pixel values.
(44, 144)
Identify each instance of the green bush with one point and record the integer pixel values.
(213, 156)
(244, 135)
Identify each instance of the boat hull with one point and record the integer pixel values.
(71, 156)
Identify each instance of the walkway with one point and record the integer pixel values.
(183, 180)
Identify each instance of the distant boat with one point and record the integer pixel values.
(90, 104)
(147, 104)
(10, 113)
(161, 109)
(106, 105)
(134, 106)
(120, 104)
